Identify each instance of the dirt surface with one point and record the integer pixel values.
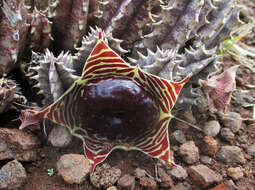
(38, 178)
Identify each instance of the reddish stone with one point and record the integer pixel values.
(189, 152)
(227, 185)
(209, 146)
(20, 139)
(222, 186)
(203, 176)
(18, 144)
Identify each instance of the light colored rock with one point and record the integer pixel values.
(12, 175)
(112, 188)
(211, 128)
(18, 144)
(126, 182)
(59, 136)
(178, 172)
(139, 173)
(251, 150)
(227, 134)
(206, 159)
(231, 154)
(235, 173)
(209, 146)
(3, 146)
(177, 137)
(148, 183)
(105, 176)
(202, 176)
(189, 152)
(233, 121)
(73, 168)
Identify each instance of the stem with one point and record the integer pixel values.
(181, 120)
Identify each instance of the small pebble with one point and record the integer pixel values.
(126, 182)
(243, 139)
(226, 185)
(177, 137)
(227, 134)
(235, 173)
(178, 172)
(206, 160)
(105, 176)
(59, 136)
(73, 168)
(202, 176)
(233, 121)
(231, 154)
(189, 152)
(182, 186)
(12, 175)
(211, 128)
(139, 173)
(148, 183)
(251, 150)
(112, 188)
(209, 146)
(18, 144)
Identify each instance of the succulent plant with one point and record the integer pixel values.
(170, 39)
(9, 93)
(173, 38)
(113, 105)
(13, 33)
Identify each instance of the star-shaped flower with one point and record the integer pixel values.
(114, 105)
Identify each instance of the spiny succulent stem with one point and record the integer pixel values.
(181, 120)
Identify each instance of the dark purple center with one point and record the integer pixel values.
(117, 109)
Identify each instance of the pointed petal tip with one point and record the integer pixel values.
(185, 80)
(29, 120)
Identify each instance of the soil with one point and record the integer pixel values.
(38, 178)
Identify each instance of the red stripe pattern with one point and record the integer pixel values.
(104, 62)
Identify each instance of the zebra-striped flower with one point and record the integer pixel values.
(114, 106)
